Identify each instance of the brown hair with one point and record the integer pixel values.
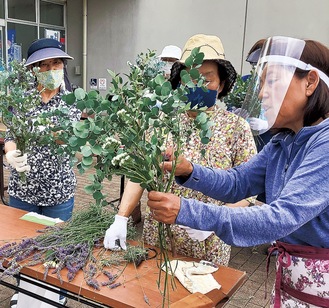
(258, 45)
(317, 107)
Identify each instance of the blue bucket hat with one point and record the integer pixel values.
(44, 49)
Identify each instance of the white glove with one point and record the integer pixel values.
(197, 235)
(17, 161)
(117, 231)
(258, 124)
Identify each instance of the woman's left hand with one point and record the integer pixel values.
(164, 206)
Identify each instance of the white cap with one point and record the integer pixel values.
(171, 51)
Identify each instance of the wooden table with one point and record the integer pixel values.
(130, 293)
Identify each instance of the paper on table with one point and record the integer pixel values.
(41, 219)
(195, 276)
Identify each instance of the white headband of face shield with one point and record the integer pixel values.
(296, 63)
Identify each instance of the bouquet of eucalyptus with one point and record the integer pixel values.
(18, 96)
(130, 128)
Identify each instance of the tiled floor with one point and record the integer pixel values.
(251, 260)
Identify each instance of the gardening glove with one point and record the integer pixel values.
(116, 233)
(197, 235)
(17, 161)
(257, 124)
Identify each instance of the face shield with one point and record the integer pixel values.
(279, 58)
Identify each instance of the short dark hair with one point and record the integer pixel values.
(317, 107)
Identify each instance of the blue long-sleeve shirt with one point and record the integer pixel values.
(292, 170)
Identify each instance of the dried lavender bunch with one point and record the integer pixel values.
(68, 245)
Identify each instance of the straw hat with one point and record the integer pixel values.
(213, 49)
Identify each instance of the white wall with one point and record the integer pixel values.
(118, 30)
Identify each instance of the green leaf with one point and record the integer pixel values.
(89, 189)
(189, 61)
(194, 73)
(90, 104)
(87, 161)
(81, 105)
(97, 195)
(81, 141)
(154, 140)
(105, 104)
(97, 149)
(202, 117)
(79, 93)
(86, 151)
(69, 98)
(199, 58)
(81, 134)
(93, 94)
(73, 141)
(185, 79)
(205, 140)
(160, 79)
(166, 88)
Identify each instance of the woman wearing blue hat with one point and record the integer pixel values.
(50, 186)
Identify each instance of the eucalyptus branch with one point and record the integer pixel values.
(131, 132)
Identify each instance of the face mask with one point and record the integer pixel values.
(200, 98)
(167, 68)
(51, 79)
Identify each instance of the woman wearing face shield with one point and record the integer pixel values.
(228, 129)
(291, 93)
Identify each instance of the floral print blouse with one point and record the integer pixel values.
(231, 144)
(51, 180)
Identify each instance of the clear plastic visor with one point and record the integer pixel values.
(270, 82)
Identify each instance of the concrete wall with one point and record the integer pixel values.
(118, 30)
(74, 39)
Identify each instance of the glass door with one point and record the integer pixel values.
(2, 48)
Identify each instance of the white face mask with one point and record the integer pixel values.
(167, 68)
(51, 79)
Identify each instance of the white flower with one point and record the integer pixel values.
(121, 111)
(120, 159)
(109, 141)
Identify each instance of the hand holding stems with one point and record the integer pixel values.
(164, 206)
(183, 166)
(18, 161)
